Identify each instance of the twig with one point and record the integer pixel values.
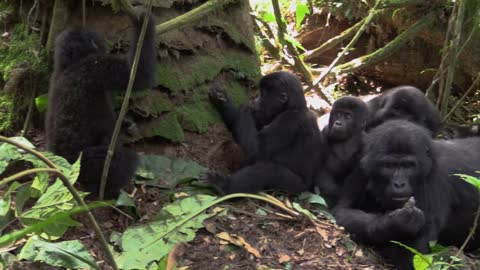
(84, 13)
(191, 16)
(388, 49)
(75, 194)
(472, 231)
(354, 40)
(28, 118)
(292, 50)
(25, 173)
(460, 101)
(457, 33)
(334, 41)
(124, 108)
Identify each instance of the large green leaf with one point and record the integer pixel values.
(68, 254)
(170, 171)
(177, 222)
(57, 198)
(41, 102)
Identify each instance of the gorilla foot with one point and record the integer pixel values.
(218, 182)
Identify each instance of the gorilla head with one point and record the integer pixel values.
(279, 92)
(348, 117)
(81, 43)
(404, 102)
(397, 159)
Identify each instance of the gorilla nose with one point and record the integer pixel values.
(399, 185)
(338, 123)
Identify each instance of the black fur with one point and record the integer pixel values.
(80, 114)
(278, 134)
(404, 102)
(405, 189)
(344, 142)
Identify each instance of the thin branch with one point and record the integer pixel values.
(292, 50)
(354, 40)
(84, 13)
(124, 108)
(460, 101)
(388, 49)
(25, 173)
(75, 194)
(457, 33)
(192, 16)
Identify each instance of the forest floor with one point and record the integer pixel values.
(269, 239)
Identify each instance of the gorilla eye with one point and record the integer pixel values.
(283, 97)
(348, 116)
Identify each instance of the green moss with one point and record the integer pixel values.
(205, 68)
(237, 92)
(197, 116)
(166, 126)
(6, 113)
(23, 48)
(151, 103)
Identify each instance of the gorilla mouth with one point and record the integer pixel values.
(400, 200)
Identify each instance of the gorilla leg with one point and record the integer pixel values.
(122, 169)
(259, 177)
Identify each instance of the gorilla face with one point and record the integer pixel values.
(341, 125)
(348, 118)
(279, 92)
(398, 163)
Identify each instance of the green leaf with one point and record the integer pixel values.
(267, 17)
(21, 197)
(176, 222)
(68, 254)
(420, 261)
(6, 259)
(5, 202)
(56, 199)
(300, 13)
(313, 198)
(40, 226)
(304, 211)
(41, 102)
(471, 179)
(294, 42)
(171, 172)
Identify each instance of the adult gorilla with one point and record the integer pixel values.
(278, 134)
(403, 164)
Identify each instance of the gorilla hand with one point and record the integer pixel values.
(408, 219)
(218, 97)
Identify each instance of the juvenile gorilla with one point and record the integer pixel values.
(404, 102)
(80, 114)
(278, 134)
(344, 142)
(405, 189)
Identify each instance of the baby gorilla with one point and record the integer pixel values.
(278, 134)
(344, 141)
(80, 115)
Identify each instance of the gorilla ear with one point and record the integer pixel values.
(283, 97)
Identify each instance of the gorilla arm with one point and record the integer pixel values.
(375, 228)
(109, 72)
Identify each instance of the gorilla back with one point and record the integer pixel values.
(80, 115)
(406, 189)
(80, 111)
(278, 134)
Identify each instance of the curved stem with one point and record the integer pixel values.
(217, 201)
(30, 150)
(25, 173)
(74, 193)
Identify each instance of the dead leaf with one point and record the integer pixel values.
(238, 241)
(301, 251)
(283, 258)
